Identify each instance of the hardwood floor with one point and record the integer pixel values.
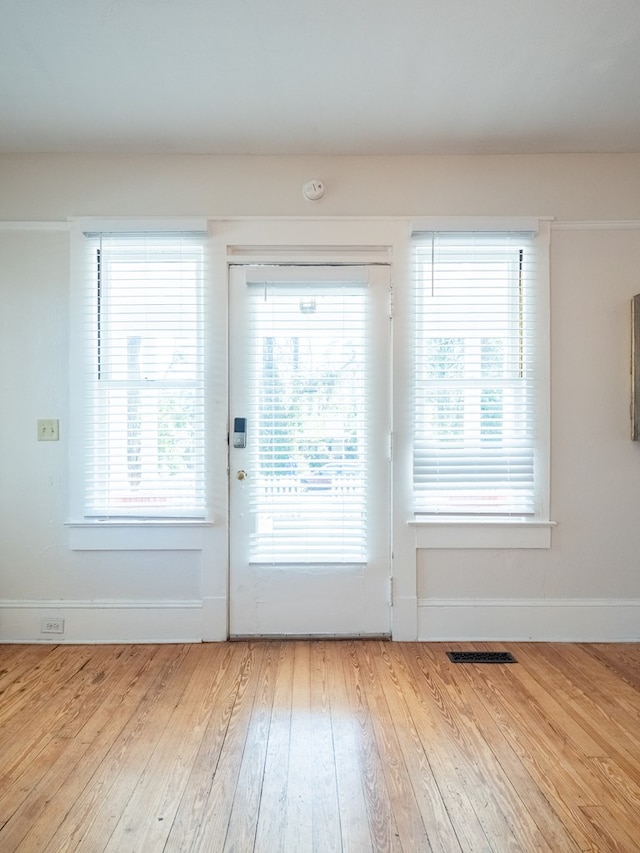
(319, 746)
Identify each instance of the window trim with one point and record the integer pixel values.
(470, 530)
(153, 534)
(493, 533)
(88, 532)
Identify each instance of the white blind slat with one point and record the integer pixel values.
(144, 394)
(308, 421)
(475, 385)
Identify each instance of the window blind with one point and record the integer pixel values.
(144, 378)
(475, 364)
(308, 421)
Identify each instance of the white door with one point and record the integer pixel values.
(309, 455)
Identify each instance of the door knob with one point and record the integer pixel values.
(241, 475)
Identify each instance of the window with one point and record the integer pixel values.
(143, 388)
(309, 354)
(480, 374)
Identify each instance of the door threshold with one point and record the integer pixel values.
(253, 637)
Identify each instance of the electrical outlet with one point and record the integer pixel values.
(49, 429)
(54, 625)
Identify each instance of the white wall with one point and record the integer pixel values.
(587, 586)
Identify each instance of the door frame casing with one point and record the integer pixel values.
(355, 239)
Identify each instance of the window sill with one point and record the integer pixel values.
(136, 535)
(452, 532)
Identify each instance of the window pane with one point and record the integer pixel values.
(474, 414)
(145, 399)
(308, 354)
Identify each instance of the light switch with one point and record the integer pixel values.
(49, 430)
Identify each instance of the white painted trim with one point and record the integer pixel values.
(576, 620)
(413, 222)
(596, 225)
(152, 535)
(35, 226)
(477, 223)
(485, 533)
(108, 621)
(409, 218)
(215, 619)
(100, 603)
(382, 253)
(404, 618)
(137, 223)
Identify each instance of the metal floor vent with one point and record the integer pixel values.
(481, 657)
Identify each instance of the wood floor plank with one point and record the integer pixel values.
(355, 831)
(382, 821)
(327, 835)
(87, 689)
(39, 692)
(206, 765)
(319, 747)
(34, 688)
(611, 717)
(17, 659)
(48, 802)
(299, 814)
(94, 816)
(605, 734)
(609, 838)
(412, 833)
(53, 702)
(211, 832)
(525, 806)
(612, 708)
(439, 827)
(621, 659)
(150, 811)
(437, 712)
(533, 820)
(550, 752)
(272, 815)
(65, 711)
(243, 821)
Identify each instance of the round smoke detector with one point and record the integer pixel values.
(313, 190)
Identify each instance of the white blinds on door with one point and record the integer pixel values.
(475, 373)
(307, 436)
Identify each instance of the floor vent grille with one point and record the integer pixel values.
(481, 657)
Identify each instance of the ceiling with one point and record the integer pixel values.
(320, 76)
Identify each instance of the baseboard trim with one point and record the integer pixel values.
(543, 620)
(110, 621)
(404, 618)
(193, 621)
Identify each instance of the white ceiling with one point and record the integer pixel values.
(320, 76)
